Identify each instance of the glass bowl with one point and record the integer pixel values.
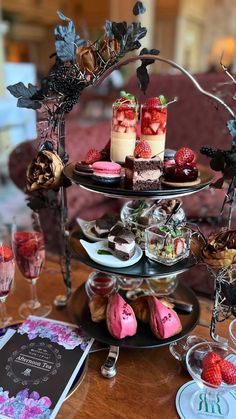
(163, 286)
(99, 283)
(129, 283)
(232, 331)
(167, 245)
(148, 212)
(209, 398)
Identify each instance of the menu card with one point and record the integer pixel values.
(38, 364)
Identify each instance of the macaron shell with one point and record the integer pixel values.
(102, 167)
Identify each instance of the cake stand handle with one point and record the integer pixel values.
(172, 64)
(108, 369)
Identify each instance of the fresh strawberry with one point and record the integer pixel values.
(228, 371)
(179, 246)
(29, 248)
(21, 236)
(130, 114)
(212, 375)
(152, 102)
(92, 156)
(147, 131)
(210, 358)
(184, 155)
(143, 150)
(154, 127)
(6, 253)
(120, 116)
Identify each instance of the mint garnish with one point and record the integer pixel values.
(103, 252)
(163, 100)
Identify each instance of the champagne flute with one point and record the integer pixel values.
(29, 249)
(7, 271)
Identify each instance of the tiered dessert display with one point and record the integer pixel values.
(79, 64)
(150, 242)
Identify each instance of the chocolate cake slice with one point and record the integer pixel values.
(142, 174)
(121, 241)
(104, 224)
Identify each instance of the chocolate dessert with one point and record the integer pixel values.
(142, 174)
(121, 241)
(104, 224)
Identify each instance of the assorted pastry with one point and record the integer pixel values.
(182, 169)
(103, 225)
(137, 215)
(142, 171)
(146, 161)
(220, 249)
(121, 241)
(153, 124)
(121, 317)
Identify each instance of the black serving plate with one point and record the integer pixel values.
(145, 268)
(119, 191)
(144, 338)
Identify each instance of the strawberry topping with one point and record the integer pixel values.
(184, 155)
(143, 150)
(152, 102)
(210, 358)
(228, 371)
(6, 253)
(212, 375)
(92, 156)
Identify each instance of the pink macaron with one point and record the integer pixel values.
(106, 172)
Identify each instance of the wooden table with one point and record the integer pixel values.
(147, 380)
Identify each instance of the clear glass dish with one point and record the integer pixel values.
(167, 245)
(99, 283)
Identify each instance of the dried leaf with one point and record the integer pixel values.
(138, 8)
(20, 90)
(142, 73)
(62, 16)
(28, 103)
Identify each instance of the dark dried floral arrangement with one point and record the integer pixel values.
(80, 63)
(224, 161)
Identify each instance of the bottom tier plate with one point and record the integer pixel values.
(79, 310)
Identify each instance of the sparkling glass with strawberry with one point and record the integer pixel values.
(29, 250)
(153, 124)
(7, 271)
(123, 127)
(212, 366)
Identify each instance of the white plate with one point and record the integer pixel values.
(109, 260)
(86, 227)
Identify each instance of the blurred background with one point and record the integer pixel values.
(195, 34)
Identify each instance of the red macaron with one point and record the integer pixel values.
(106, 172)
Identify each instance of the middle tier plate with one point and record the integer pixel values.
(145, 268)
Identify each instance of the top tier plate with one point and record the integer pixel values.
(164, 192)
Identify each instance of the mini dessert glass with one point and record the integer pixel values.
(137, 217)
(167, 245)
(153, 127)
(123, 128)
(163, 286)
(100, 283)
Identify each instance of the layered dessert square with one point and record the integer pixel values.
(142, 174)
(121, 241)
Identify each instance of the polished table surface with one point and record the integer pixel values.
(147, 379)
